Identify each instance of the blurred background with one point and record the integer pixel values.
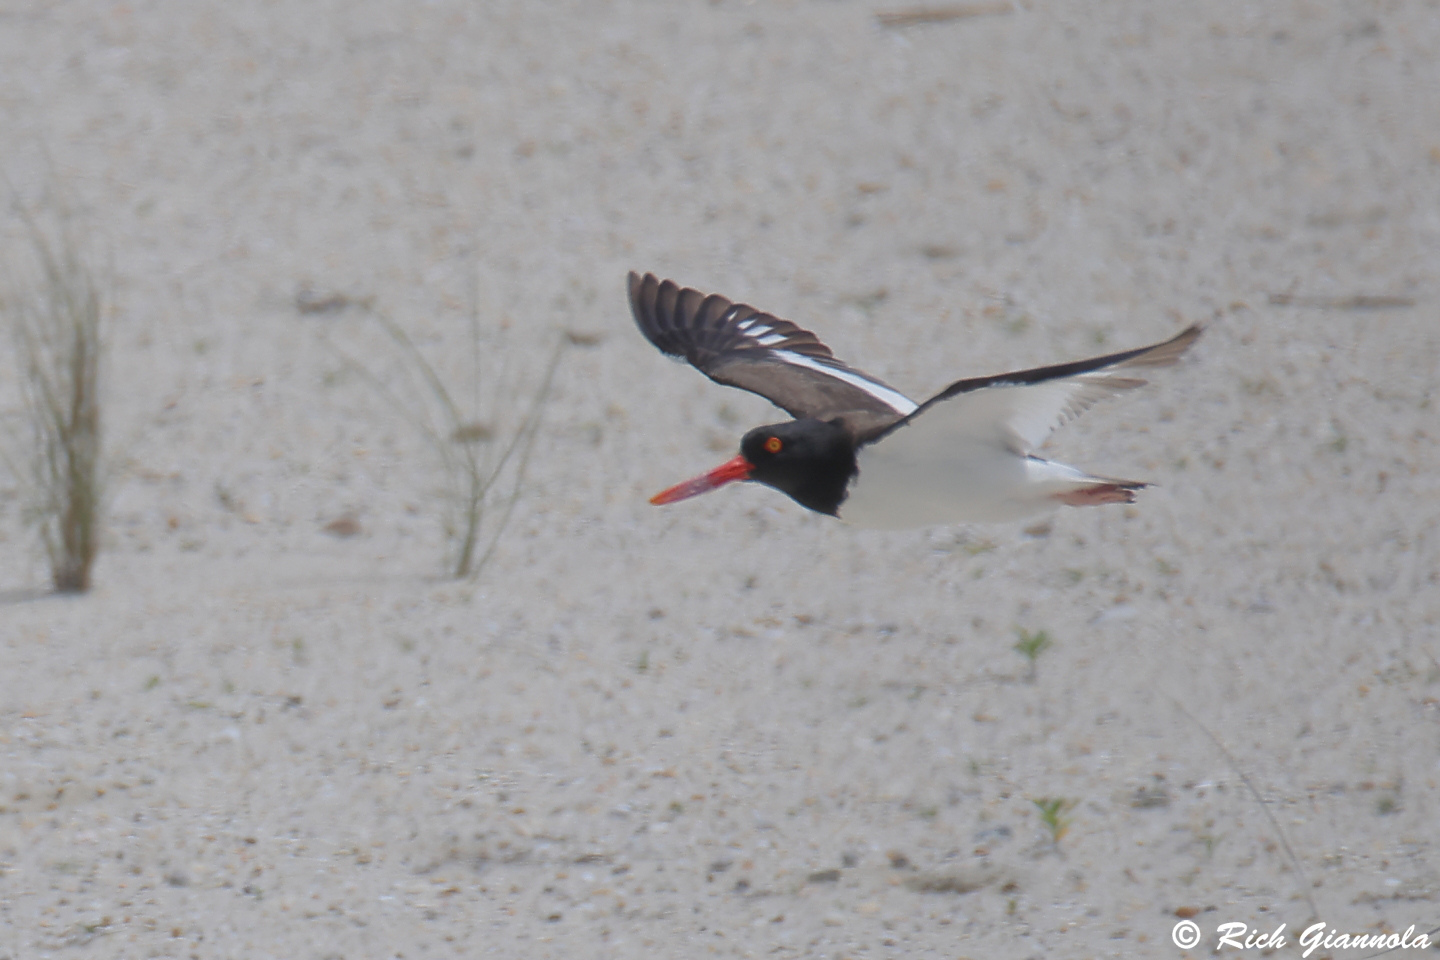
(278, 727)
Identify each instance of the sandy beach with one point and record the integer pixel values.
(729, 727)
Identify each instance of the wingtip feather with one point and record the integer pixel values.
(1169, 351)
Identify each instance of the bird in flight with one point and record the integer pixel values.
(860, 450)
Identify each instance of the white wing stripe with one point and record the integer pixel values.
(898, 402)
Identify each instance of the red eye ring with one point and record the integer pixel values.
(773, 445)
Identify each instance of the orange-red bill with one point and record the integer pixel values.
(727, 472)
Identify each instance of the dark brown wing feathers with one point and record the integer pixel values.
(702, 329)
(740, 346)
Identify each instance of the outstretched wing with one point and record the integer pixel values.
(739, 346)
(1020, 410)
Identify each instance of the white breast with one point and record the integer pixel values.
(905, 481)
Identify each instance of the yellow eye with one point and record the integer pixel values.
(773, 445)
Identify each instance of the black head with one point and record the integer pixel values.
(810, 460)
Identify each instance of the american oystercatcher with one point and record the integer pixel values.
(860, 450)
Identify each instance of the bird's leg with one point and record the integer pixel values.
(1096, 495)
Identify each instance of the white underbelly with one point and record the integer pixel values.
(980, 483)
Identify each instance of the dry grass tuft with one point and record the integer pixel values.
(54, 320)
(483, 450)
